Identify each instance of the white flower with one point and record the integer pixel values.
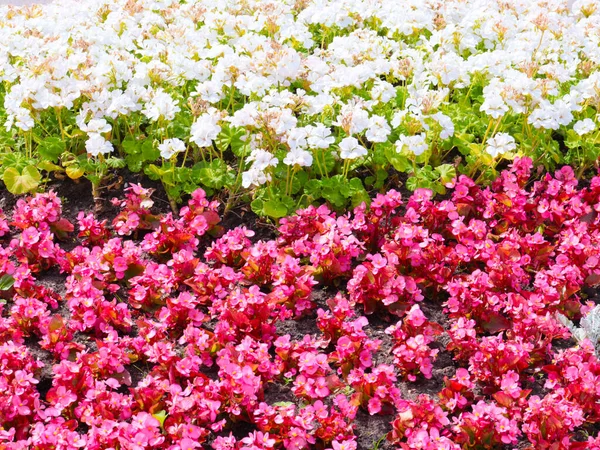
(398, 118)
(353, 119)
(415, 144)
(584, 126)
(500, 143)
(161, 105)
(246, 116)
(284, 121)
(262, 159)
(563, 113)
(319, 136)
(209, 91)
(298, 157)
(96, 126)
(23, 119)
(254, 177)
(446, 123)
(170, 147)
(296, 138)
(351, 149)
(121, 104)
(378, 130)
(383, 91)
(97, 145)
(494, 106)
(204, 130)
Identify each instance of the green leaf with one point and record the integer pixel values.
(273, 206)
(335, 190)
(49, 167)
(6, 282)
(357, 192)
(114, 162)
(51, 148)
(6, 139)
(275, 209)
(160, 416)
(154, 172)
(149, 151)
(299, 181)
(573, 140)
(400, 162)
(131, 145)
(134, 162)
(15, 160)
(380, 176)
(284, 404)
(74, 172)
(401, 96)
(447, 172)
(412, 183)
(313, 188)
(330, 161)
(215, 174)
(21, 183)
(232, 137)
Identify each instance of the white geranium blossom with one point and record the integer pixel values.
(446, 123)
(262, 159)
(378, 130)
(205, 130)
(415, 144)
(499, 144)
(351, 149)
(584, 126)
(494, 106)
(96, 145)
(161, 105)
(298, 157)
(319, 136)
(96, 126)
(170, 147)
(254, 177)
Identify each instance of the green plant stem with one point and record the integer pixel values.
(346, 168)
(538, 46)
(187, 149)
(294, 170)
(487, 131)
(58, 112)
(325, 165)
(316, 158)
(236, 185)
(231, 94)
(495, 163)
(29, 144)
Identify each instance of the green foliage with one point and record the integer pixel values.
(21, 181)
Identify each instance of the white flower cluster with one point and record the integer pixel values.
(108, 59)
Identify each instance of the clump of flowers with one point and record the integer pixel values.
(171, 336)
(411, 350)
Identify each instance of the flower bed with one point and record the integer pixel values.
(444, 320)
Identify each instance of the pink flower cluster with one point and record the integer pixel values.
(170, 332)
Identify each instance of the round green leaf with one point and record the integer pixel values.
(21, 183)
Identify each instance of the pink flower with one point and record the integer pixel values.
(344, 445)
(30, 236)
(374, 405)
(188, 444)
